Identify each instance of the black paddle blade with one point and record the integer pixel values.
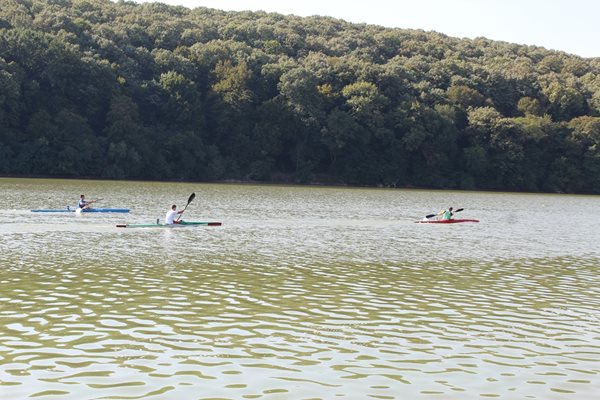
(430, 215)
(460, 209)
(188, 203)
(192, 196)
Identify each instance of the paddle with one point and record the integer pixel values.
(192, 196)
(92, 202)
(433, 215)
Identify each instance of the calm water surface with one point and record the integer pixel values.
(303, 293)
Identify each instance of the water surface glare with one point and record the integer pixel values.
(303, 293)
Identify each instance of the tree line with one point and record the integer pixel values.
(94, 88)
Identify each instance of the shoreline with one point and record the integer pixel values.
(284, 182)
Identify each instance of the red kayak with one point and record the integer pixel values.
(446, 221)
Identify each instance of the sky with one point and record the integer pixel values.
(572, 26)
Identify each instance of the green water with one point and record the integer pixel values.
(302, 293)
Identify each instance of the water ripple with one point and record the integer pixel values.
(325, 294)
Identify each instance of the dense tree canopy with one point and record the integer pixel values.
(93, 88)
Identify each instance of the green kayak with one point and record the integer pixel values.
(180, 224)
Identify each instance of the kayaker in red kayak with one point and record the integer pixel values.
(445, 217)
(447, 214)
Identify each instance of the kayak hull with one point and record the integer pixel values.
(181, 224)
(86, 210)
(447, 221)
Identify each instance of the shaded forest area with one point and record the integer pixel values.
(92, 88)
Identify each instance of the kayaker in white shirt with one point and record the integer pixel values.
(83, 203)
(171, 214)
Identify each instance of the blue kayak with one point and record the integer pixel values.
(85, 210)
(180, 224)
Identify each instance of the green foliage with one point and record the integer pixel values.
(565, 101)
(231, 83)
(529, 106)
(465, 96)
(124, 90)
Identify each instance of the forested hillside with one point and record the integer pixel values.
(92, 88)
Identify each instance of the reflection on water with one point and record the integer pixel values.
(302, 293)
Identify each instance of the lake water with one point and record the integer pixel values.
(302, 293)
